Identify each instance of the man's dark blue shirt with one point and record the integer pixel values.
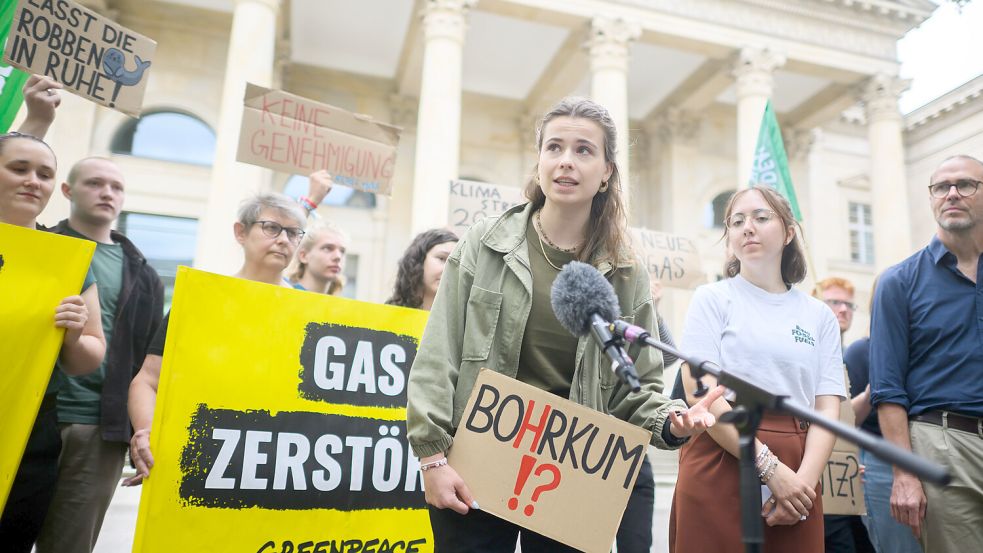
(926, 335)
(857, 359)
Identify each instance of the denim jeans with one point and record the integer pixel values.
(887, 534)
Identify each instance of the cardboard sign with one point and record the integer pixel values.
(284, 132)
(546, 463)
(471, 202)
(91, 55)
(280, 424)
(840, 483)
(670, 258)
(37, 270)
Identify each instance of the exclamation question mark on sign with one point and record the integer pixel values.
(525, 468)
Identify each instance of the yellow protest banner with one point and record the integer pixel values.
(280, 424)
(37, 270)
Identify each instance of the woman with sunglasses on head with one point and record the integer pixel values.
(493, 310)
(421, 268)
(757, 327)
(269, 228)
(27, 179)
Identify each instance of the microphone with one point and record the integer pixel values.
(630, 332)
(634, 333)
(584, 302)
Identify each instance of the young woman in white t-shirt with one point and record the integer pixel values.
(755, 325)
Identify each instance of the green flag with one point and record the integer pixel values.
(11, 80)
(771, 163)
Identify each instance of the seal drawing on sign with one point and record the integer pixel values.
(114, 66)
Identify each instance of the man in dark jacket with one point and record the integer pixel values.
(92, 414)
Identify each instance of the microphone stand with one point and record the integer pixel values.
(752, 401)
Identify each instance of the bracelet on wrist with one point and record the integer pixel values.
(762, 456)
(433, 464)
(308, 203)
(769, 469)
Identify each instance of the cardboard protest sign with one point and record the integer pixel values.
(670, 258)
(472, 201)
(91, 55)
(37, 270)
(841, 485)
(280, 424)
(546, 463)
(288, 133)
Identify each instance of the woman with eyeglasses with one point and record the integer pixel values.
(269, 228)
(757, 327)
(27, 179)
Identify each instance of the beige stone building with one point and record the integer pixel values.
(686, 81)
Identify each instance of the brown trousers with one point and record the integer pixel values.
(706, 505)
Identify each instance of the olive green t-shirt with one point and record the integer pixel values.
(549, 352)
(79, 397)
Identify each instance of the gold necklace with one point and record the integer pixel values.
(539, 225)
(542, 234)
(543, 249)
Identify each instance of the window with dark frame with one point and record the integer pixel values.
(165, 241)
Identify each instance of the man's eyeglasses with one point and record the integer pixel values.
(965, 188)
(837, 303)
(759, 216)
(273, 230)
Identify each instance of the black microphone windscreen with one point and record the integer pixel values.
(580, 291)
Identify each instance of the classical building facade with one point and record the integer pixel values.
(686, 82)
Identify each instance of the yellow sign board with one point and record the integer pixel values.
(37, 270)
(280, 424)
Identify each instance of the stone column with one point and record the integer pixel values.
(70, 135)
(754, 73)
(608, 47)
(528, 155)
(438, 138)
(892, 234)
(252, 44)
(674, 134)
(799, 146)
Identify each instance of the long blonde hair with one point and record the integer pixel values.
(295, 271)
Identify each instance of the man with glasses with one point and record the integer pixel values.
(837, 293)
(926, 356)
(843, 533)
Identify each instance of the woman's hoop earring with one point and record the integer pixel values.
(604, 186)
